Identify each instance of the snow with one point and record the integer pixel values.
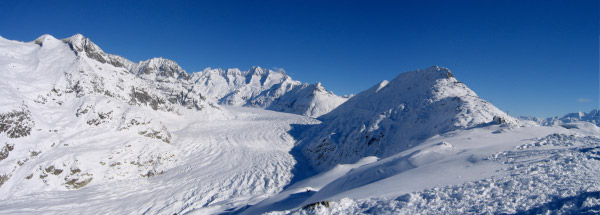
(488, 173)
(273, 90)
(209, 166)
(381, 121)
(107, 137)
(591, 117)
(86, 132)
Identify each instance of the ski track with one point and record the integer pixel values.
(225, 163)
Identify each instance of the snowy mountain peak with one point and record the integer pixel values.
(256, 87)
(318, 85)
(161, 67)
(43, 39)
(430, 73)
(256, 70)
(270, 89)
(83, 46)
(391, 117)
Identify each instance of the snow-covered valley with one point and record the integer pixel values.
(86, 132)
(210, 166)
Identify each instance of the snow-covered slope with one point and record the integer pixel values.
(273, 90)
(592, 117)
(309, 100)
(395, 116)
(67, 107)
(487, 170)
(86, 132)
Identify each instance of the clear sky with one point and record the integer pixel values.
(537, 58)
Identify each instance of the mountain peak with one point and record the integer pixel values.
(44, 39)
(161, 67)
(391, 117)
(82, 44)
(77, 37)
(430, 75)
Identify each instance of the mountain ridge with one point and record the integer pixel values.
(592, 116)
(393, 116)
(256, 87)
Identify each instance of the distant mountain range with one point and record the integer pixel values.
(592, 117)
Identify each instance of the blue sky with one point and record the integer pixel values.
(536, 58)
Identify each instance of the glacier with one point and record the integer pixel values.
(87, 132)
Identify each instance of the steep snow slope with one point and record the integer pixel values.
(392, 117)
(592, 117)
(273, 90)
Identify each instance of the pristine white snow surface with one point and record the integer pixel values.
(86, 132)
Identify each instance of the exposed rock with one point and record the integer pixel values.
(5, 151)
(17, 123)
(4, 178)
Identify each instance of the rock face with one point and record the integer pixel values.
(84, 46)
(17, 123)
(393, 116)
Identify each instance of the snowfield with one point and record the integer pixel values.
(210, 166)
(86, 132)
(488, 173)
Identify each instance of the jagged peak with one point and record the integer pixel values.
(319, 87)
(159, 61)
(77, 37)
(257, 71)
(81, 43)
(162, 67)
(233, 70)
